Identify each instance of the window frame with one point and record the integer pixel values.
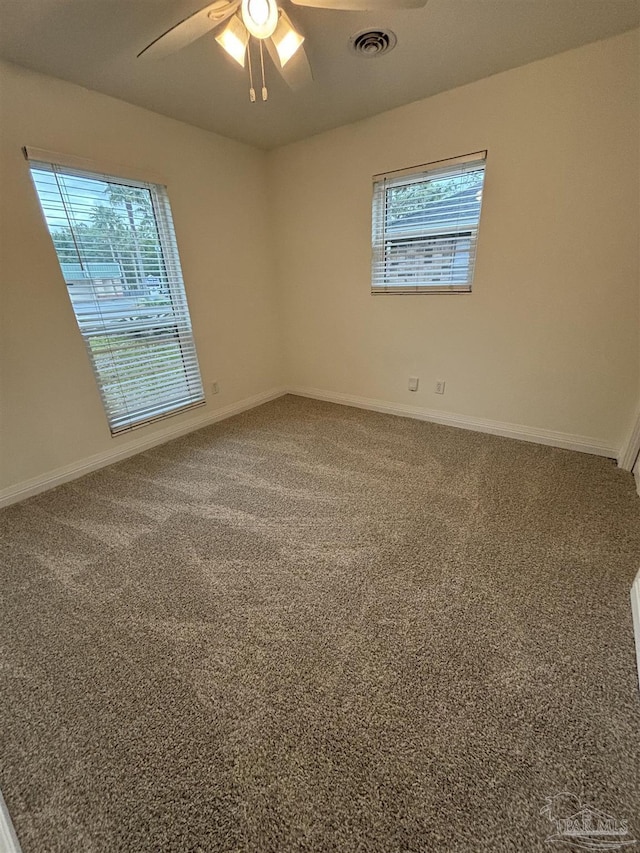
(425, 236)
(125, 418)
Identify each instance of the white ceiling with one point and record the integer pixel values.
(446, 44)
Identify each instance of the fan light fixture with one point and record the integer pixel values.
(285, 39)
(234, 39)
(261, 19)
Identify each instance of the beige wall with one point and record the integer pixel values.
(549, 338)
(51, 411)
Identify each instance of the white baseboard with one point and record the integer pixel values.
(583, 444)
(636, 474)
(8, 839)
(629, 450)
(34, 486)
(635, 609)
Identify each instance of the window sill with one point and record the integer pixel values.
(375, 291)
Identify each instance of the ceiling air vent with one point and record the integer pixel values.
(370, 43)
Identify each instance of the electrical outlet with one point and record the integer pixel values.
(413, 383)
(440, 383)
(215, 388)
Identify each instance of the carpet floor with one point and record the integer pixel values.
(314, 629)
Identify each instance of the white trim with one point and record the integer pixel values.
(636, 476)
(635, 609)
(34, 486)
(630, 449)
(8, 839)
(100, 167)
(434, 165)
(583, 444)
(28, 488)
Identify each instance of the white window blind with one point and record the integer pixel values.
(117, 251)
(425, 226)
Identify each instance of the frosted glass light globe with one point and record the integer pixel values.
(260, 17)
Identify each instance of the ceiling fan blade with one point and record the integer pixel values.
(362, 5)
(190, 29)
(297, 71)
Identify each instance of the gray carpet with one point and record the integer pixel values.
(312, 628)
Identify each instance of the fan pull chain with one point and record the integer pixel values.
(265, 94)
(252, 91)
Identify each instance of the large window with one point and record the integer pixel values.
(118, 256)
(425, 226)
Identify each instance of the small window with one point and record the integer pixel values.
(425, 226)
(117, 252)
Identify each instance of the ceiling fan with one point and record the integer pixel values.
(265, 22)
